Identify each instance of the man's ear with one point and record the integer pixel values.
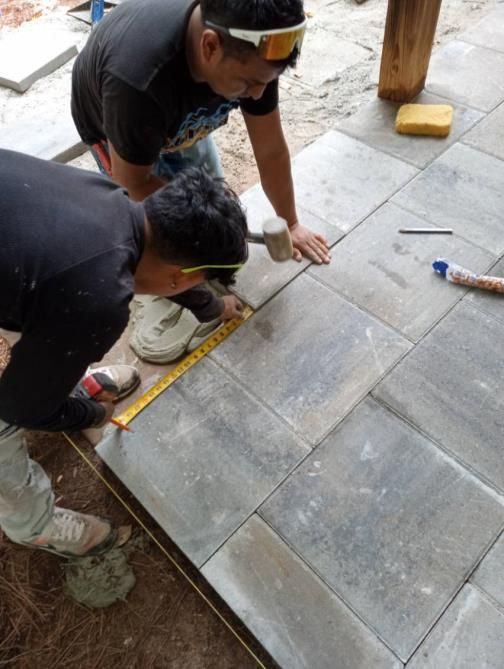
(211, 47)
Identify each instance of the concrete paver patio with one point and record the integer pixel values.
(335, 467)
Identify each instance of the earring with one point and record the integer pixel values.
(173, 285)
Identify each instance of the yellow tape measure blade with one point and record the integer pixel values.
(189, 361)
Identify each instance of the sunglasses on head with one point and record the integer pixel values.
(188, 270)
(276, 44)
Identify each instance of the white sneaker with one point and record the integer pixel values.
(72, 534)
(5, 353)
(125, 378)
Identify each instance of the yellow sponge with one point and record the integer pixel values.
(424, 120)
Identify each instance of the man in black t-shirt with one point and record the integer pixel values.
(157, 76)
(74, 251)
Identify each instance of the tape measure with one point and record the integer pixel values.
(212, 342)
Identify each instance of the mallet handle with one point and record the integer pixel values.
(255, 238)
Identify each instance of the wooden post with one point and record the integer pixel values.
(407, 47)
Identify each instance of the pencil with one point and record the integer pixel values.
(120, 425)
(428, 231)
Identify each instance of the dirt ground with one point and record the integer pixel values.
(15, 12)
(164, 623)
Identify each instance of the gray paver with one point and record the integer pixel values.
(389, 521)
(343, 180)
(298, 619)
(490, 574)
(468, 636)
(391, 275)
(489, 32)
(47, 136)
(30, 54)
(320, 65)
(468, 74)
(488, 135)
(463, 189)
(259, 209)
(375, 124)
(311, 356)
(202, 457)
(452, 386)
(491, 303)
(261, 278)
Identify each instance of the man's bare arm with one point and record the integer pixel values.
(273, 161)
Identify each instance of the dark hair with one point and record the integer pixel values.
(253, 15)
(198, 220)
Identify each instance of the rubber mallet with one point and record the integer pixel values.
(276, 237)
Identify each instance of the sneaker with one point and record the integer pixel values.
(125, 377)
(73, 534)
(5, 353)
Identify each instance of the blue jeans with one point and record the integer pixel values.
(201, 154)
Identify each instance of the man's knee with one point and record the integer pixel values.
(12, 443)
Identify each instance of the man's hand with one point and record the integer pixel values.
(307, 243)
(109, 412)
(233, 308)
(107, 399)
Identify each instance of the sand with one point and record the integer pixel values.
(346, 37)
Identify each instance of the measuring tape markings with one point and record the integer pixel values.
(212, 342)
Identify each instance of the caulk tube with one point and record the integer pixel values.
(457, 274)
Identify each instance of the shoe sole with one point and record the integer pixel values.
(129, 390)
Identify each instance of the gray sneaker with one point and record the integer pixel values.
(72, 534)
(125, 378)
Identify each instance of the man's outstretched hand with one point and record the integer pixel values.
(309, 244)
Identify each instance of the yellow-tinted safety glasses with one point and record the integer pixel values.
(188, 270)
(276, 44)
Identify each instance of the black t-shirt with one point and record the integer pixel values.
(131, 84)
(70, 244)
